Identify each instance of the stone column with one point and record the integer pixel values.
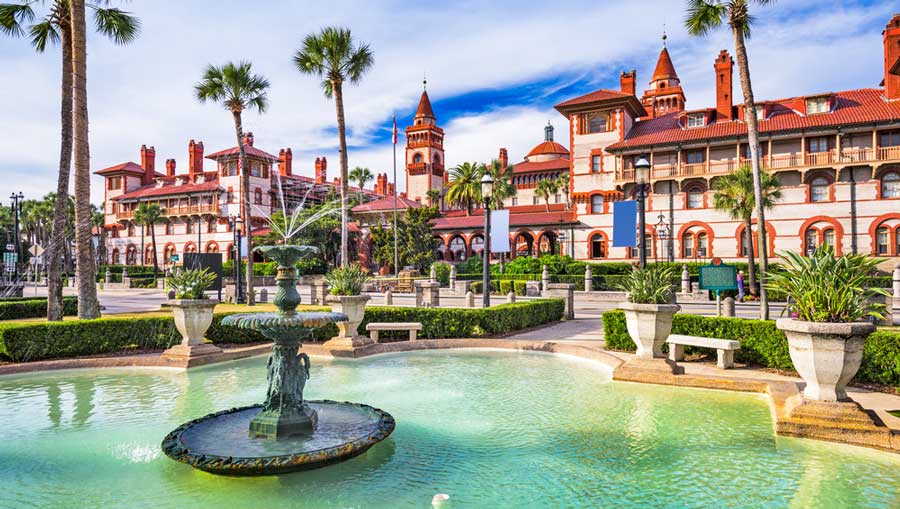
(588, 279)
(388, 297)
(108, 277)
(432, 275)
(545, 279)
(565, 291)
(453, 278)
(420, 297)
(428, 294)
(897, 281)
(470, 300)
(685, 280)
(729, 307)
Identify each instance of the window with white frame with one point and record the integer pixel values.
(687, 245)
(702, 244)
(818, 189)
(811, 240)
(598, 246)
(695, 198)
(696, 120)
(881, 240)
(816, 105)
(890, 185)
(595, 164)
(815, 145)
(828, 237)
(597, 204)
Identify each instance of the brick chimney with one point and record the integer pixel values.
(248, 139)
(170, 167)
(891, 36)
(285, 162)
(321, 170)
(390, 188)
(148, 163)
(626, 81)
(724, 101)
(503, 158)
(195, 159)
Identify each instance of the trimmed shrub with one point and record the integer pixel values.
(442, 271)
(881, 359)
(475, 286)
(35, 307)
(505, 287)
(519, 287)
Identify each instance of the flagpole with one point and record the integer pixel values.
(396, 245)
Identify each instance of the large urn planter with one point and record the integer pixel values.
(354, 306)
(192, 319)
(826, 355)
(649, 326)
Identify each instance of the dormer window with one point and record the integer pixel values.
(596, 122)
(760, 112)
(696, 120)
(817, 105)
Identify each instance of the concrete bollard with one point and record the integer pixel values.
(897, 281)
(124, 273)
(263, 295)
(432, 275)
(420, 296)
(470, 300)
(511, 298)
(108, 277)
(566, 292)
(588, 279)
(545, 279)
(388, 297)
(685, 280)
(729, 307)
(453, 278)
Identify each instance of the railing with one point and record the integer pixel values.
(206, 208)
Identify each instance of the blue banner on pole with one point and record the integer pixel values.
(624, 223)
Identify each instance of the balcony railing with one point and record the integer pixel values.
(183, 210)
(773, 162)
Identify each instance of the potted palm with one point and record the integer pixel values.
(648, 309)
(193, 312)
(830, 303)
(345, 287)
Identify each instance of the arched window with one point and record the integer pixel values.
(811, 240)
(168, 254)
(882, 235)
(897, 241)
(702, 244)
(818, 189)
(890, 185)
(212, 247)
(477, 245)
(417, 158)
(190, 248)
(695, 197)
(211, 226)
(597, 204)
(437, 159)
(648, 247)
(687, 245)
(598, 246)
(458, 248)
(828, 237)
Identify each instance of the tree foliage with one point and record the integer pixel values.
(416, 243)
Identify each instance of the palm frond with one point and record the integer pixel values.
(13, 16)
(118, 25)
(704, 16)
(43, 33)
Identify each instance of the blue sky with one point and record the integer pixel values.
(494, 69)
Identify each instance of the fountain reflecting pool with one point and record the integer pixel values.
(489, 429)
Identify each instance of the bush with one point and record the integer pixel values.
(34, 307)
(881, 359)
(349, 280)
(651, 285)
(476, 286)
(471, 265)
(519, 287)
(442, 271)
(505, 287)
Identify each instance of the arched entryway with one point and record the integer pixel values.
(524, 244)
(548, 243)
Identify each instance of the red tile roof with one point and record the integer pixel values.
(554, 164)
(424, 109)
(128, 167)
(600, 98)
(851, 107)
(529, 215)
(387, 203)
(664, 68)
(249, 150)
(548, 148)
(168, 189)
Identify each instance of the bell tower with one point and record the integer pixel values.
(424, 152)
(665, 95)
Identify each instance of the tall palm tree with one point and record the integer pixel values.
(464, 186)
(361, 175)
(702, 17)
(55, 28)
(98, 221)
(734, 194)
(148, 215)
(333, 56)
(562, 181)
(434, 197)
(546, 188)
(502, 177)
(238, 89)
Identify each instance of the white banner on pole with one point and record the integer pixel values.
(500, 231)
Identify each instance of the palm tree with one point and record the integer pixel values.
(434, 197)
(56, 28)
(562, 181)
(464, 189)
(702, 17)
(546, 188)
(361, 175)
(150, 214)
(502, 177)
(334, 57)
(734, 194)
(238, 89)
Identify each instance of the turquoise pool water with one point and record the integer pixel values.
(490, 429)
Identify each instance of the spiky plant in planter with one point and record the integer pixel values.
(648, 312)
(193, 313)
(346, 285)
(831, 300)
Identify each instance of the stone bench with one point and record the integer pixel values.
(412, 327)
(724, 348)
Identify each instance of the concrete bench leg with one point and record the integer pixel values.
(374, 335)
(725, 359)
(676, 353)
(412, 334)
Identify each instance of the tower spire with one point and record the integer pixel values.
(664, 36)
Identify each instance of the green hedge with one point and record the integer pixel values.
(35, 307)
(36, 341)
(763, 344)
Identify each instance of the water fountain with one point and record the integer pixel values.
(286, 432)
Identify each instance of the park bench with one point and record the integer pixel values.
(724, 348)
(375, 327)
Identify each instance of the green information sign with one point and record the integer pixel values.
(718, 277)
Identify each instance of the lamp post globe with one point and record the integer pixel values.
(641, 177)
(487, 192)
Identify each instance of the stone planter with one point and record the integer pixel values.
(649, 325)
(354, 306)
(192, 319)
(826, 355)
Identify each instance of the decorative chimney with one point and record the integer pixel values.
(503, 158)
(170, 167)
(724, 101)
(148, 163)
(248, 139)
(891, 36)
(626, 80)
(321, 170)
(195, 159)
(285, 162)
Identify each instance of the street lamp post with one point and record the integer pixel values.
(487, 191)
(16, 203)
(641, 177)
(662, 232)
(236, 225)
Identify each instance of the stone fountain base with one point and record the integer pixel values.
(220, 444)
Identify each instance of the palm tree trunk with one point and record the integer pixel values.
(88, 307)
(57, 243)
(751, 264)
(753, 139)
(245, 207)
(342, 134)
(153, 246)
